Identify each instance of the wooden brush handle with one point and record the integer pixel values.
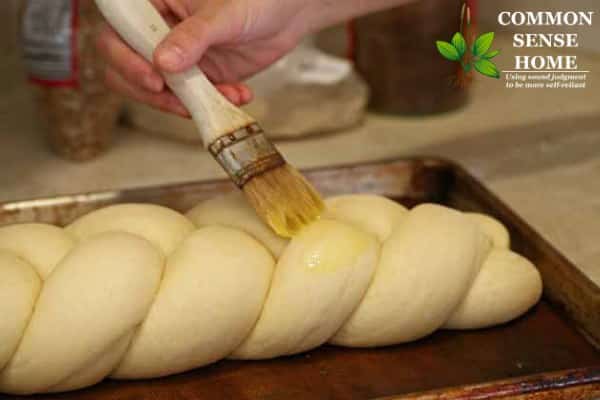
(143, 28)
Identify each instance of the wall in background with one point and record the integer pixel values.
(590, 36)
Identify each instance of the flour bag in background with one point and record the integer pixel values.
(308, 92)
(61, 61)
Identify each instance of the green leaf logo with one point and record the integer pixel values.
(490, 54)
(459, 42)
(480, 53)
(483, 43)
(487, 68)
(448, 51)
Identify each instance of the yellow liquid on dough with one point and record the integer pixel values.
(345, 253)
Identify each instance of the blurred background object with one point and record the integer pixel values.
(306, 93)
(395, 52)
(58, 39)
(8, 41)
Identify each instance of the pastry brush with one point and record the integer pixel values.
(281, 196)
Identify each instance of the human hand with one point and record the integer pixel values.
(229, 40)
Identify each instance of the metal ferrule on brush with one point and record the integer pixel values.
(245, 154)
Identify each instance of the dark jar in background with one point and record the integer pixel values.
(395, 52)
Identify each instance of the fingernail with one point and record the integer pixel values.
(247, 95)
(179, 108)
(153, 83)
(182, 111)
(170, 56)
(233, 95)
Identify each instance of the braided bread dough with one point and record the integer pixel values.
(139, 291)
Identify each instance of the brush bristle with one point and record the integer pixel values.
(284, 199)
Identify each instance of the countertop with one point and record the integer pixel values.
(538, 150)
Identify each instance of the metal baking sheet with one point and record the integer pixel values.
(551, 352)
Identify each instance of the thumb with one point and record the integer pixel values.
(186, 43)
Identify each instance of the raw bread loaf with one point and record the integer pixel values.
(139, 291)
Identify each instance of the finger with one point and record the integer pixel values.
(161, 6)
(237, 93)
(186, 43)
(169, 12)
(246, 95)
(164, 100)
(127, 62)
(230, 92)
